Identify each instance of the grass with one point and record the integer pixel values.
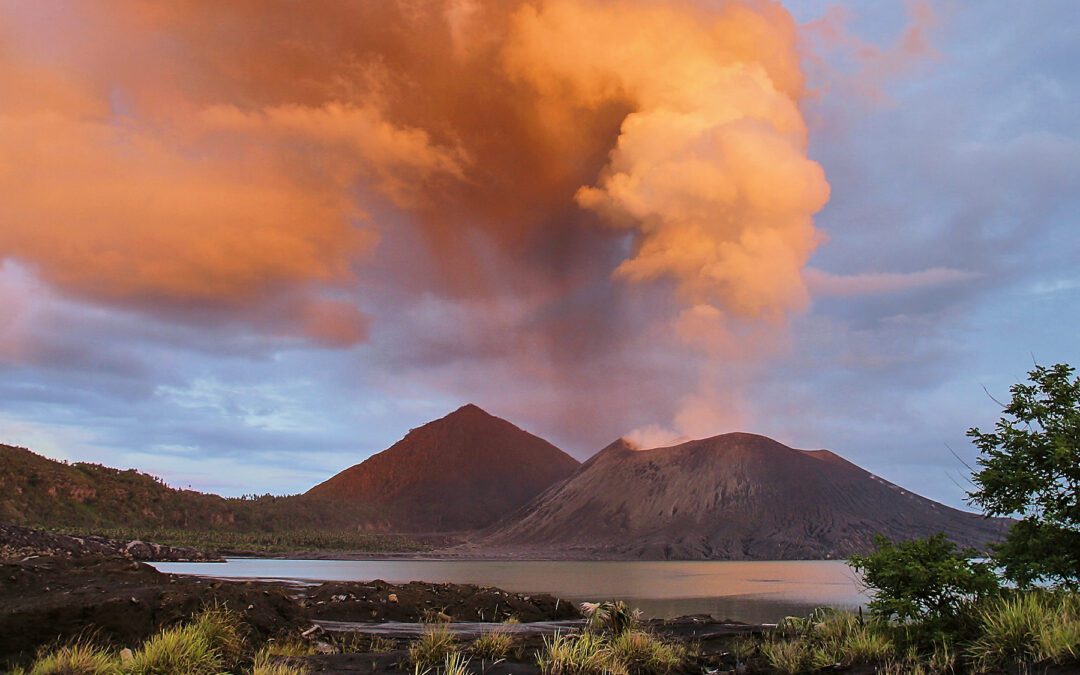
(181, 649)
(432, 647)
(211, 642)
(787, 655)
(492, 645)
(1023, 629)
(79, 658)
(641, 652)
(582, 654)
(630, 652)
(455, 663)
(265, 665)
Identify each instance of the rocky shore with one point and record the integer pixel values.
(46, 599)
(21, 542)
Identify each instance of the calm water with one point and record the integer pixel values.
(758, 592)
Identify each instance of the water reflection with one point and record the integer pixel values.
(759, 592)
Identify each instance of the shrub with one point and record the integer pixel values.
(924, 580)
(433, 646)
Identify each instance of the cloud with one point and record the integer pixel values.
(824, 283)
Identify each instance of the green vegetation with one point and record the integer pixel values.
(612, 643)
(1031, 469)
(433, 646)
(79, 658)
(924, 580)
(90, 499)
(492, 645)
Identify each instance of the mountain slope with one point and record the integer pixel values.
(39, 492)
(735, 496)
(461, 472)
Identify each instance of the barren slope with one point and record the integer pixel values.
(735, 496)
(462, 472)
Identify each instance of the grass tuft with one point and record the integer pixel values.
(79, 658)
(643, 653)
(181, 649)
(494, 644)
(266, 665)
(432, 647)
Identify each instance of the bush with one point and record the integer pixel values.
(924, 580)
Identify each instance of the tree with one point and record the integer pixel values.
(1031, 470)
(924, 580)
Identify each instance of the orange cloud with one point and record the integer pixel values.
(227, 155)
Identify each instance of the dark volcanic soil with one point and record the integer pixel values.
(19, 542)
(121, 602)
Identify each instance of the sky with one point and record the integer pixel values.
(244, 247)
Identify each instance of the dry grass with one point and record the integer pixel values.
(432, 647)
(493, 645)
(78, 658)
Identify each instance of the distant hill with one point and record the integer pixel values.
(735, 496)
(40, 492)
(462, 472)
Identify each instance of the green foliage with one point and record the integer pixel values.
(926, 580)
(90, 499)
(1031, 469)
(826, 638)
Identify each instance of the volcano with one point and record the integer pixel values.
(461, 472)
(734, 496)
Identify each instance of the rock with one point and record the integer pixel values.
(392, 598)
